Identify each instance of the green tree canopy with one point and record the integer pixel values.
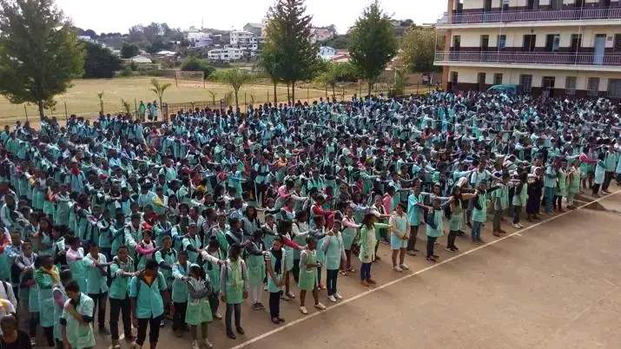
(236, 78)
(39, 52)
(373, 43)
(196, 64)
(418, 48)
(129, 50)
(100, 62)
(335, 73)
(288, 40)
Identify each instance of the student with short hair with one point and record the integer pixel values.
(121, 272)
(77, 319)
(145, 291)
(96, 266)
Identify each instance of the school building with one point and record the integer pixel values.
(556, 47)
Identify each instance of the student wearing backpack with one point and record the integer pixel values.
(145, 291)
(121, 271)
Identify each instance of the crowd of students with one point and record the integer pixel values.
(166, 221)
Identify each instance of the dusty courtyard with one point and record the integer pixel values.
(554, 284)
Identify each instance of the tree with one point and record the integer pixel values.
(159, 90)
(288, 38)
(100, 95)
(234, 77)
(129, 50)
(335, 73)
(196, 64)
(373, 43)
(270, 65)
(39, 52)
(418, 48)
(100, 62)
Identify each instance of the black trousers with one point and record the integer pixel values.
(120, 307)
(431, 241)
(214, 302)
(100, 300)
(451, 239)
(154, 331)
(331, 284)
(608, 176)
(49, 335)
(275, 303)
(179, 316)
(230, 308)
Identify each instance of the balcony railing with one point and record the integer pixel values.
(533, 15)
(530, 58)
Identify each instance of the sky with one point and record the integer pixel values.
(118, 15)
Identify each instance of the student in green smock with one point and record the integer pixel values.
(96, 267)
(276, 270)
(334, 256)
(145, 291)
(180, 271)
(121, 271)
(60, 298)
(46, 277)
(234, 288)
(77, 319)
(254, 251)
(367, 247)
(212, 269)
(198, 311)
(308, 275)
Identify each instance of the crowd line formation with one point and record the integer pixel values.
(167, 222)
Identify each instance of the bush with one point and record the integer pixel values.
(197, 64)
(126, 72)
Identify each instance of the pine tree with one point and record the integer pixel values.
(288, 42)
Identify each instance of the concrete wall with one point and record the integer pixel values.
(512, 76)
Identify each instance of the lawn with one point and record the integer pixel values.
(81, 99)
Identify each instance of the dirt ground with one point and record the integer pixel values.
(554, 284)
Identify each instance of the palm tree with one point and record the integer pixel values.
(234, 77)
(159, 90)
(100, 94)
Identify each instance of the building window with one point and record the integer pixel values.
(502, 41)
(570, 85)
(617, 43)
(614, 88)
(481, 81)
(576, 42)
(532, 4)
(456, 42)
(497, 78)
(593, 87)
(505, 5)
(556, 4)
(454, 79)
(529, 43)
(553, 42)
(526, 83)
(484, 42)
(487, 5)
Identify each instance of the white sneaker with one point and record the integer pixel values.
(135, 345)
(517, 226)
(320, 306)
(397, 268)
(207, 343)
(405, 267)
(195, 345)
(332, 299)
(303, 310)
(520, 224)
(338, 296)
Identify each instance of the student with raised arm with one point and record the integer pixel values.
(121, 272)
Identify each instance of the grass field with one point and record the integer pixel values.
(82, 100)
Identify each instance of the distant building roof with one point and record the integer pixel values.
(141, 59)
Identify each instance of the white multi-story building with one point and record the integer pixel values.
(228, 53)
(244, 40)
(556, 47)
(194, 35)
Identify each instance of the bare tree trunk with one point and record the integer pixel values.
(275, 97)
(293, 93)
(288, 93)
(236, 101)
(370, 88)
(41, 110)
(333, 94)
